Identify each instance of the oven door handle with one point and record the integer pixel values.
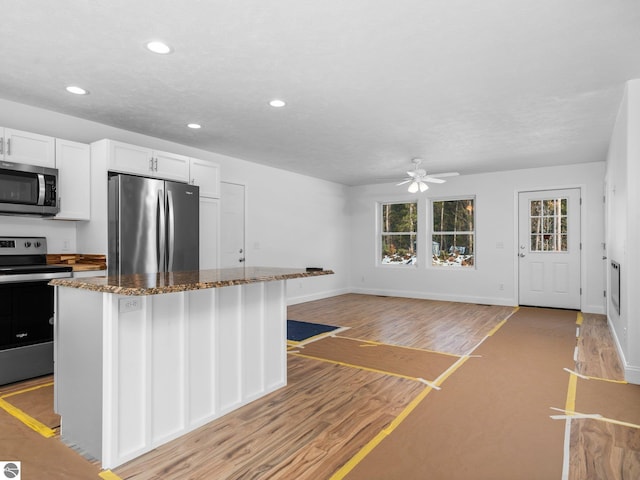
(32, 277)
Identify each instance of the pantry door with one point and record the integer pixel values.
(232, 206)
(549, 248)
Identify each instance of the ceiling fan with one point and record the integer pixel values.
(418, 177)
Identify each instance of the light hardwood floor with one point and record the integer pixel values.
(328, 412)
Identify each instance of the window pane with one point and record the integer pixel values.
(399, 249)
(399, 233)
(399, 217)
(453, 238)
(453, 216)
(536, 225)
(453, 249)
(536, 208)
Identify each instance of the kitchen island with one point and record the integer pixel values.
(143, 359)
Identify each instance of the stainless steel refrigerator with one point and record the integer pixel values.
(153, 225)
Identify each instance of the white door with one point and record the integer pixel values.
(209, 232)
(549, 248)
(231, 225)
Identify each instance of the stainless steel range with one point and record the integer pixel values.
(26, 308)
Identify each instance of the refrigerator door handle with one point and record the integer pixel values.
(170, 229)
(160, 231)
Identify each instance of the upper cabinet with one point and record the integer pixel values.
(127, 158)
(25, 147)
(73, 161)
(205, 175)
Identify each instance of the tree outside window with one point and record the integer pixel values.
(453, 233)
(399, 226)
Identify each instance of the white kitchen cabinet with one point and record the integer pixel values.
(127, 158)
(209, 232)
(205, 175)
(171, 166)
(26, 147)
(73, 161)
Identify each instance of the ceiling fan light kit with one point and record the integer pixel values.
(418, 177)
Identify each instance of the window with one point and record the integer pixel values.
(548, 225)
(453, 233)
(399, 226)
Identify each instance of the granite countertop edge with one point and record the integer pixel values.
(141, 284)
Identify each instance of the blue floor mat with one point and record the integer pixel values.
(298, 331)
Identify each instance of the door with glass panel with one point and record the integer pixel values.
(549, 248)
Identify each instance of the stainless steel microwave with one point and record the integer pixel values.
(28, 190)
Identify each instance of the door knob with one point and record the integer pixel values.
(521, 255)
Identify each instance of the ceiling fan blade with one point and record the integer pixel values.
(433, 180)
(404, 182)
(446, 174)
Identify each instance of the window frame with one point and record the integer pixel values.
(380, 233)
(432, 232)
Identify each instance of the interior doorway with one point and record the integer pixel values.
(549, 248)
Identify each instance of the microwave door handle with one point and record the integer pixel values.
(41, 189)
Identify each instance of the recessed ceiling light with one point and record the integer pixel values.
(195, 126)
(277, 103)
(159, 47)
(77, 90)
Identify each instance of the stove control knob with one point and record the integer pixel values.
(37, 244)
(27, 244)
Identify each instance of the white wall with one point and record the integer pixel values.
(293, 220)
(496, 237)
(623, 228)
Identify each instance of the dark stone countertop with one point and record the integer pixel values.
(171, 282)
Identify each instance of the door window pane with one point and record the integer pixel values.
(548, 225)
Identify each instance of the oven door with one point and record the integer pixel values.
(26, 317)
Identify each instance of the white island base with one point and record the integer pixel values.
(134, 372)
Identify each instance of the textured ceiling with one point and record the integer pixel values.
(467, 85)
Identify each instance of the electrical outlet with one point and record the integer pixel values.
(129, 304)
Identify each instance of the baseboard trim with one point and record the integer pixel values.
(441, 297)
(294, 300)
(631, 372)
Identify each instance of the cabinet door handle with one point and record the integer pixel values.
(1, 146)
(8, 146)
(151, 164)
(156, 162)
